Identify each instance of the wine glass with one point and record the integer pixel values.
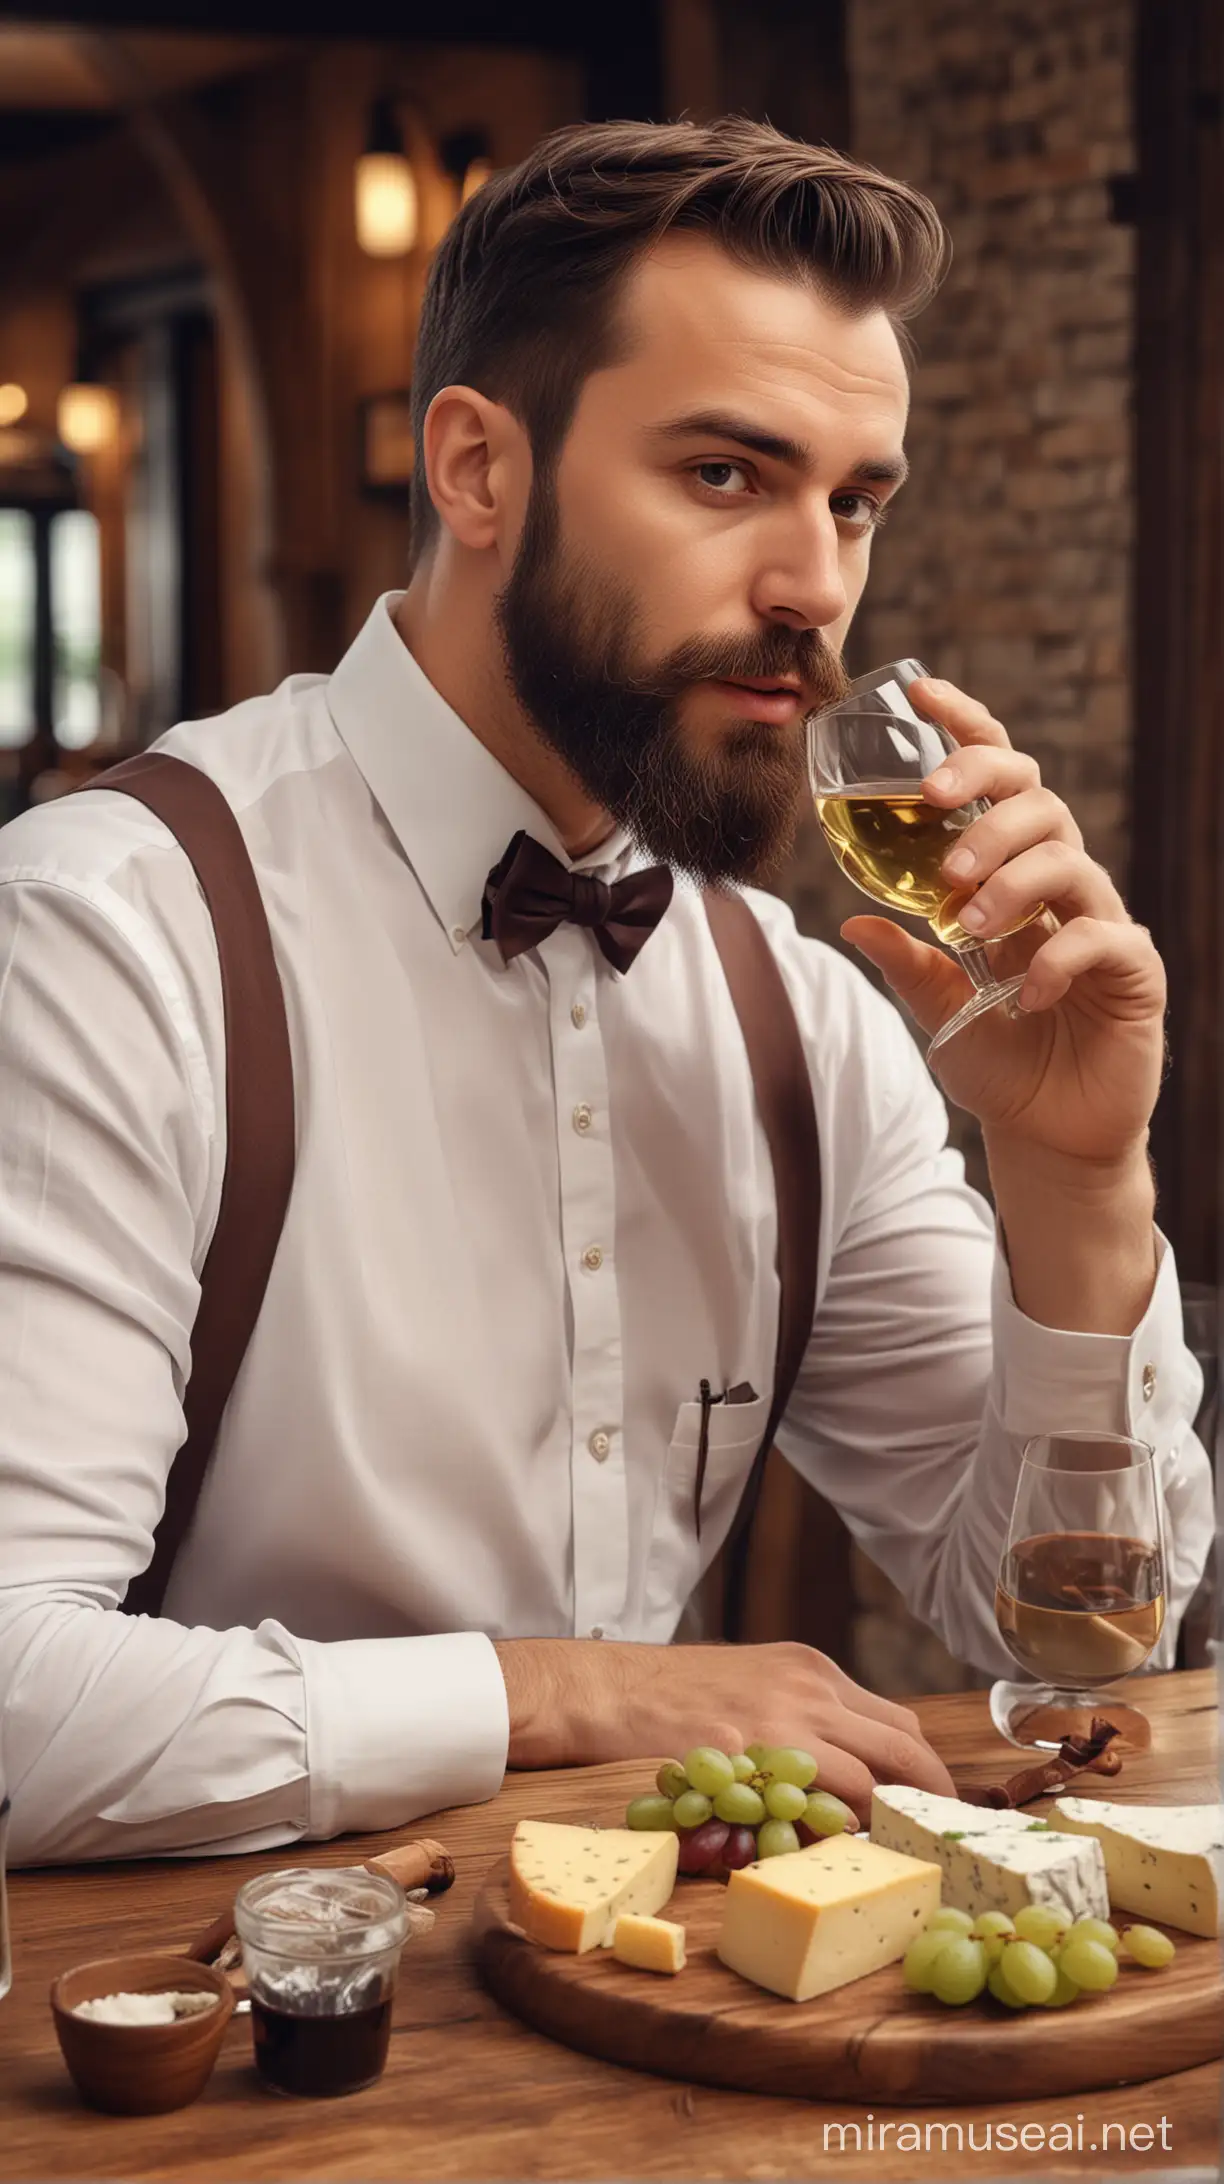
(1080, 1599)
(868, 755)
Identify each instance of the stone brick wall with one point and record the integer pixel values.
(1005, 565)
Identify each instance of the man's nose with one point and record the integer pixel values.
(801, 582)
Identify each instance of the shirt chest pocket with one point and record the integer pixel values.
(678, 1558)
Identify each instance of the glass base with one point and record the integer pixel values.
(988, 997)
(1036, 1717)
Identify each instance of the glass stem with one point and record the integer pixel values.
(974, 960)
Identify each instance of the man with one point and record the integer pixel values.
(449, 1520)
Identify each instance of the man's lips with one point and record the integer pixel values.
(776, 702)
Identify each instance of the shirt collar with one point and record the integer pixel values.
(451, 805)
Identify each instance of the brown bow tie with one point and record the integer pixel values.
(529, 894)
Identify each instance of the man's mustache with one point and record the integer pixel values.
(776, 655)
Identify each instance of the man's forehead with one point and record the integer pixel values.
(698, 319)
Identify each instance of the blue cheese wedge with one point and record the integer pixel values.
(992, 1861)
(1165, 1862)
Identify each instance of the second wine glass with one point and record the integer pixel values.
(1080, 1601)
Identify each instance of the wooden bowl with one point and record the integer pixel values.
(140, 2070)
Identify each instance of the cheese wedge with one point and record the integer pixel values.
(650, 1945)
(1164, 1862)
(815, 1919)
(568, 1886)
(991, 1861)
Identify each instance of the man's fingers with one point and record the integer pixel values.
(859, 1700)
(1015, 824)
(1122, 957)
(892, 1754)
(1053, 874)
(964, 717)
(845, 1776)
(984, 774)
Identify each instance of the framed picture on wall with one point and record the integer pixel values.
(385, 444)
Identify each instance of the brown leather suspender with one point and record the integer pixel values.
(259, 1128)
(260, 1141)
(783, 1089)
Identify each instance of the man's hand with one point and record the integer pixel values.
(578, 1701)
(1077, 1075)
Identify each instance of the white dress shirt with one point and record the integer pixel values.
(533, 1208)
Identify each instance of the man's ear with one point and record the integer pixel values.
(473, 448)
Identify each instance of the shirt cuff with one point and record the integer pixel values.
(1052, 1381)
(397, 1727)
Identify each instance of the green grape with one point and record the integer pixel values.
(1089, 1963)
(740, 1805)
(1039, 1924)
(998, 1987)
(671, 1780)
(786, 1764)
(1094, 1930)
(708, 1770)
(784, 1801)
(1065, 1990)
(651, 1812)
(958, 1973)
(918, 1963)
(744, 1766)
(775, 1838)
(1028, 1971)
(825, 1814)
(993, 1929)
(1149, 1947)
(948, 1920)
(756, 1753)
(692, 1808)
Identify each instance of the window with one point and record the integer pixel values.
(76, 627)
(18, 587)
(50, 625)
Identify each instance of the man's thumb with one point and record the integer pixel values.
(930, 985)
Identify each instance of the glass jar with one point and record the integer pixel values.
(321, 1949)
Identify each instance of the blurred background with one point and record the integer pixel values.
(216, 233)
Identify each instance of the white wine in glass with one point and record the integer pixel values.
(868, 755)
(1080, 1599)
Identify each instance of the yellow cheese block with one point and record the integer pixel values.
(568, 1886)
(815, 1919)
(650, 1945)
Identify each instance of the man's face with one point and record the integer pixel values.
(709, 527)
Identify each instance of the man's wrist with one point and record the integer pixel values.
(1078, 1234)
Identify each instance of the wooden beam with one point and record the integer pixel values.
(1178, 779)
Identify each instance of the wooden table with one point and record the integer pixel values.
(469, 2093)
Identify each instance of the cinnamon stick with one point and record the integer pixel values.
(1074, 1756)
(421, 1863)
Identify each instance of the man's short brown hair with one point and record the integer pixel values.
(521, 299)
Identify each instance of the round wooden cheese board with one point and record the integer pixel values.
(869, 2041)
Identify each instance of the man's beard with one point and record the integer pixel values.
(568, 631)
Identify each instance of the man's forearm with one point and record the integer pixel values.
(1079, 1236)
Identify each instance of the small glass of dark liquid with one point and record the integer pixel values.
(321, 1950)
(1080, 1599)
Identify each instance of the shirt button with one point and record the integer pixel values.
(578, 1015)
(582, 1119)
(592, 1258)
(458, 934)
(1149, 1382)
(599, 1445)
(597, 1630)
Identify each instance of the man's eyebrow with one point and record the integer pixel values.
(776, 447)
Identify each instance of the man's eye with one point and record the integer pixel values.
(721, 477)
(859, 510)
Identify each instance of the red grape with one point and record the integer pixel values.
(804, 1834)
(740, 1849)
(701, 1848)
